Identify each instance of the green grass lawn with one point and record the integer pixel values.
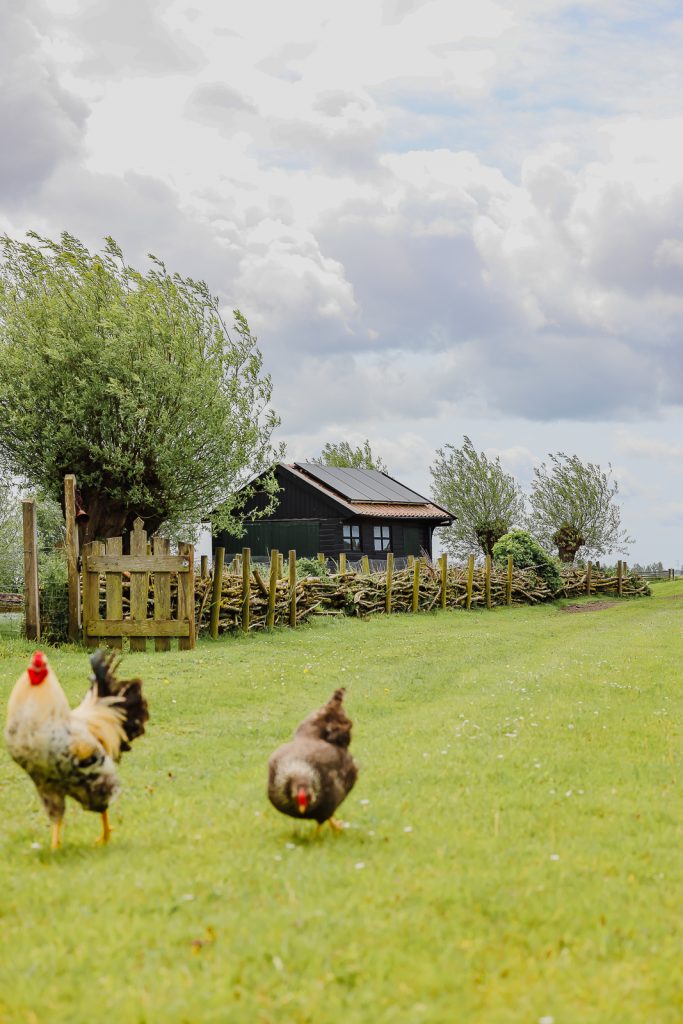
(513, 850)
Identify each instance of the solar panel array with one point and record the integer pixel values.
(361, 484)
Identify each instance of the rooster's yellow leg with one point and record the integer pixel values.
(335, 824)
(56, 834)
(106, 830)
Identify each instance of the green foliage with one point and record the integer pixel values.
(500, 866)
(573, 508)
(54, 597)
(310, 567)
(343, 455)
(11, 543)
(131, 381)
(527, 553)
(485, 500)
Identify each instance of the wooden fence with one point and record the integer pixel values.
(134, 573)
(240, 599)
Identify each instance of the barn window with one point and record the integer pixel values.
(382, 538)
(351, 533)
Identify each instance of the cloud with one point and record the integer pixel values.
(628, 443)
(41, 122)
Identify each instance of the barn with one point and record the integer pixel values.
(328, 510)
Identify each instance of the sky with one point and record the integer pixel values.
(440, 218)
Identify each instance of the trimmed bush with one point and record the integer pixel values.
(527, 553)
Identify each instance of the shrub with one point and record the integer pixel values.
(527, 553)
(310, 567)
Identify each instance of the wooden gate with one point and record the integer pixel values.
(106, 558)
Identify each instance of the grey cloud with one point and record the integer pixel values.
(41, 123)
(214, 101)
(130, 37)
(280, 63)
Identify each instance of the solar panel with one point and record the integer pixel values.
(361, 484)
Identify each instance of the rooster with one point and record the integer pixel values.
(311, 776)
(73, 752)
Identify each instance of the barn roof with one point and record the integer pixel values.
(368, 492)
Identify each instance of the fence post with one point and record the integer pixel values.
(272, 588)
(186, 602)
(487, 581)
(161, 546)
(365, 562)
(31, 593)
(246, 589)
(411, 559)
(114, 591)
(589, 577)
(508, 588)
(342, 563)
(444, 578)
(416, 585)
(390, 576)
(74, 579)
(470, 581)
(218, 560)
(281, 566)
(620, 578)
(204, 566)
(292, 588)
(139, 582)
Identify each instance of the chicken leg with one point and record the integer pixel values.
(106, 830)
(56, 834)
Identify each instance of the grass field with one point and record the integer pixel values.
(513, 850)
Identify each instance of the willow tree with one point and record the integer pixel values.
(344, 455)
(485, 500)
(574, 508)
(130, 380)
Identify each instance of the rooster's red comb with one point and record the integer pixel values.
(37, 670)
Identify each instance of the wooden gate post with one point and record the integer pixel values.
(390, 576)
(292, 588)
(218, 560)
(444, 578)
(470, 581)
(31, 593)
(74, 579)
(186, 603)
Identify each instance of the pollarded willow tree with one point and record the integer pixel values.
(573, 508)
(130, 380)
(344, 455)
(485, 500)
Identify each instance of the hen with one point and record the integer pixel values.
(73, 752)
(311, 776)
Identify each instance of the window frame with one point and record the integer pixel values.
(354, 541)
(384, 545)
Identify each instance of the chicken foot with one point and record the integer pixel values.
(106, 830)
(56, 835)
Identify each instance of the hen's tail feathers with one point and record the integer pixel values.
(130, 700)
(330, 722)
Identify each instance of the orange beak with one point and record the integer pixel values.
(302, 800)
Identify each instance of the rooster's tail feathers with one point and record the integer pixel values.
(127, 695)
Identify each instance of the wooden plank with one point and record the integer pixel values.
(113, 588)
(292, 588)
(186, 606)
(390, 578)
(246, 589)
(218, 561)
(259, 581)
(444, 579)
(272, 588)
(161, 547)
(140, 563)
(470, 581)
(71, 547)
(487, 581)
(508, 583)
(31, 592)
(91, 605)
(140, 629)
(139, 585)
(416, 585)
